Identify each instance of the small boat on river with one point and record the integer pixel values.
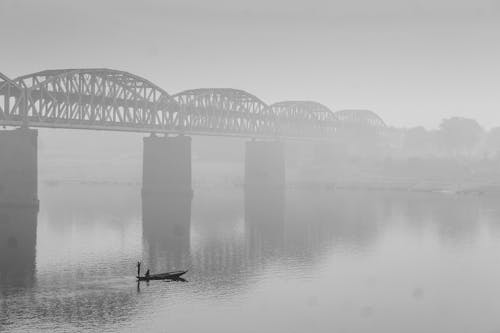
(175, 275)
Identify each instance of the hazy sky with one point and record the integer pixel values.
(413, 62)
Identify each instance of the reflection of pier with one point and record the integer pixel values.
(68, 289)
(166, 201)
(221, 258)
(166, 225)
(264, 220)
(17, 244)
(226, 245)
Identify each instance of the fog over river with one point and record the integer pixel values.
(322, 261)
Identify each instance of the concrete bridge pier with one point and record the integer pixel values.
(166, 174)
(166, 165)
(264, 165)
(18, 244)
(19, 168)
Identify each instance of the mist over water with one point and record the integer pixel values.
(250, 166)
(286, 262)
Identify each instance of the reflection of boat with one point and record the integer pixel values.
(163, 276)
(175, 275)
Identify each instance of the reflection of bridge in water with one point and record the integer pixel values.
(299, 230)
(103, 99)
(296, 229)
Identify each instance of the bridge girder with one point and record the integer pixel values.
(115, 100)
(95, 98)
(4, 79)
(226, 110)
(294, 114)
(360, 119)
(10, 97)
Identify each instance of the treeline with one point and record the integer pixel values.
(458, 154)
(455, 137)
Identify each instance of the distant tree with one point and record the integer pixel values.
(459, 135)
(493, 140)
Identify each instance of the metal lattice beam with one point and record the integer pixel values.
(226, 111)
(96, 99)
(305, 117)
(360, 119)
(114, 100)
(11, 98)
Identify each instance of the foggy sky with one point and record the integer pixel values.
(412, 62)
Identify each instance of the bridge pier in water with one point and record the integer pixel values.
(19, 168)
(166, 165)
(264, 165)
(18, 244)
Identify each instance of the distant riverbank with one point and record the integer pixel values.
(465, 188)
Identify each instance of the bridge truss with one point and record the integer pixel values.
(104, 99)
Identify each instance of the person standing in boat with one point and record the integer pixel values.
(147, 274)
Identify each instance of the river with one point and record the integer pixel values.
(294, 261)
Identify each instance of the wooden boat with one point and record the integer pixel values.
(175, 275)
(163, 276)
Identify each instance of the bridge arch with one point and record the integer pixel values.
(226, 110)
(308, 116)
(96, 98)
(138, 87)
(360, 119)
(306, 110)
(5, 80)
(10, 97)
(107, 99)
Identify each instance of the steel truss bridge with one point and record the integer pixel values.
(104, 99)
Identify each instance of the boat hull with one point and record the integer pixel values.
(163, 276)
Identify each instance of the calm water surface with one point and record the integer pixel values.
(302, 261)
